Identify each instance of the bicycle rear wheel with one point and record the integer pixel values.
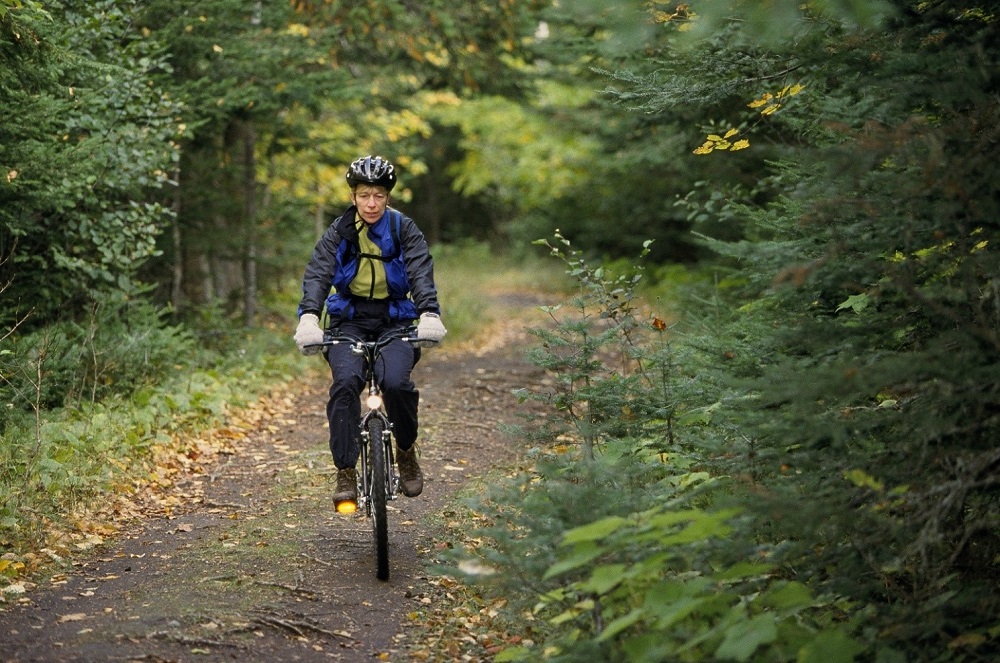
(380, 525)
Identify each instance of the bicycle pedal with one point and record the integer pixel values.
(346, 507)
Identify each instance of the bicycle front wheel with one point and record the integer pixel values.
(380, 525)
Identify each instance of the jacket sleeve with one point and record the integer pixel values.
(318, 278)
(419, 267)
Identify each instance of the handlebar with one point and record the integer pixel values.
(407, 335)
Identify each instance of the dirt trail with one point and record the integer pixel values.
(259, 568)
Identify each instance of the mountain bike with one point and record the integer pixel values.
(378, 482)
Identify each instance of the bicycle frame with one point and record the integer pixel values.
(374, 408)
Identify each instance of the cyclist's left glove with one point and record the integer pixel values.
(308, 333)
(430, 328)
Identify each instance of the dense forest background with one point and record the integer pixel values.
(779, 379)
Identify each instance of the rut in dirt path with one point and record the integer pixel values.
(260, 569)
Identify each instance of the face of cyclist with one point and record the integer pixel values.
(370, 201)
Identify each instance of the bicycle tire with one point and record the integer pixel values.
(380, 525)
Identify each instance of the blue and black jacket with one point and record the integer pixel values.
(409, 268)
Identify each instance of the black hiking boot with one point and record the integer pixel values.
(347, 486)
(411, 479)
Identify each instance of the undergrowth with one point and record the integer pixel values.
(617, 540)
(87, 405)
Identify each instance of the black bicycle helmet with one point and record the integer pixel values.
(372, 170)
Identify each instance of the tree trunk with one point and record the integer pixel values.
(249, 223)
(177, 287)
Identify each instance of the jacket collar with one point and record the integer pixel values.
(347, 226)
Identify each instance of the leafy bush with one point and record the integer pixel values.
(101, 438)
(629, 550)
(122, 345)
(648, 576)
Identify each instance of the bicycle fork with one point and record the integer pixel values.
(391, 475)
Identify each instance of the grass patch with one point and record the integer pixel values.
(469, 274)
(62, 468)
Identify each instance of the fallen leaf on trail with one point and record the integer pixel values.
(73, 617)
(187, 527)
(89, 542)
(10, 567)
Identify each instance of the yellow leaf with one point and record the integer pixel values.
(705, 149)
(731, 133)
(216, 48)
(715, 138)
(761, 100)
(795, 89)
(770, 109)
(741, 145)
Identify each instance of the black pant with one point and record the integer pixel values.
(393, 373)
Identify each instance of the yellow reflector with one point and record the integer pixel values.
(347, 506)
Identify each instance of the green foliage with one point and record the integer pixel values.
(592, 351)
(882, 371)
(847, 347)
(53, 461)
(631, 557)
(627, 550)
(120, 347)
(86, 138)
(458, 270)
(469, 274)
(524, 169)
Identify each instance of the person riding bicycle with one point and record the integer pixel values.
(380, 269)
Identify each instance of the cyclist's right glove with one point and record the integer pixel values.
(308, 333)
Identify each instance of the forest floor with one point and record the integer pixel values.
(240, 556)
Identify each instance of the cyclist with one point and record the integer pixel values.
(377, 262)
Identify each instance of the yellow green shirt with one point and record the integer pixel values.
(370, 281)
